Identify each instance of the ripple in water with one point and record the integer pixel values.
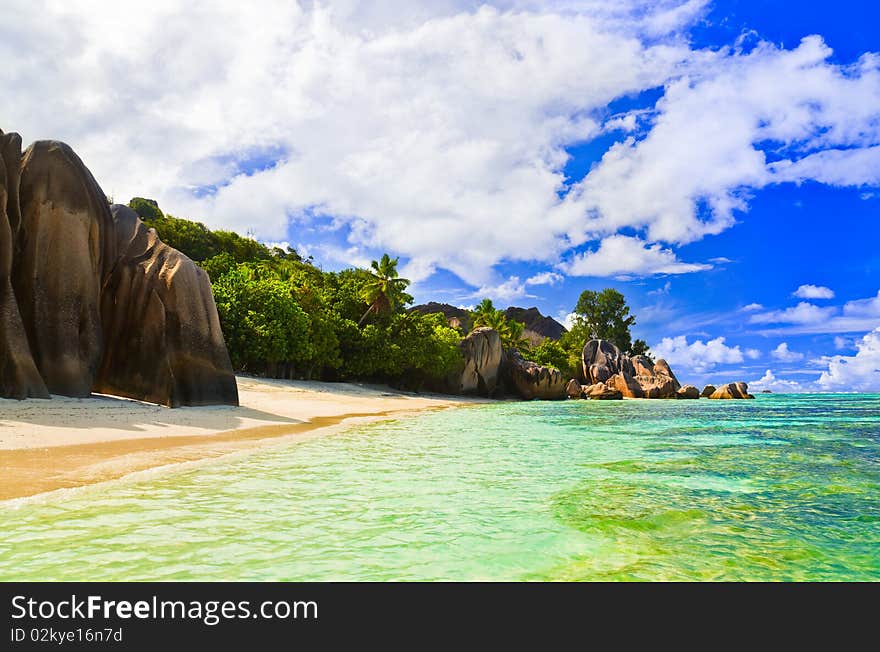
(780, 488)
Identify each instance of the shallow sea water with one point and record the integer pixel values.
(779, 488)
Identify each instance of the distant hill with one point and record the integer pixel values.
(538, 327)
(457, 317)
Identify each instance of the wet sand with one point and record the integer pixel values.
(63, 443)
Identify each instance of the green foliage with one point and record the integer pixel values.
(265, 328)
(605, 315)
(200, 243)
(552, 353)
(511, 331)
(384, 290)
(640, 347)
(148, 209)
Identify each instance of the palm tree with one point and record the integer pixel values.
(511, 332)
(384, 292)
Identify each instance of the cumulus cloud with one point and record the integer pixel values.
(855, 373)
(856, 316)
(436, 130)
(771, 382)
(802, 313)
(545, 278)
(621, 255)
(814, 292)
(698, 356)
(509, 290)
(696, 167)
(783, 353)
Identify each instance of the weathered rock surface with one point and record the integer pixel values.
(688, 391)
(64, 256)
(163, 341)
(732, 391)
(531, 380)
(89, 302)
(635, 377)
(602, 392)
(708, 390)
(19, 377)
(482, 354)
(573, 389)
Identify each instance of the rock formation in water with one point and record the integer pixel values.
(483, 355)
(688, 391)
(708, 390)
(732, 390)
(574, 389)
(533, 381)
(636, 377)
(92, 300)
(602, 392)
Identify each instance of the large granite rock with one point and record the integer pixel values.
(533, 381)
(602, 392)
(90, 301)
(636, 377)
(688, 391)
(708, 390)
(732, 391)
(483, 355)
(63, 259)
(163, 341)
(573, 389)
(19, 377)
(602, 360)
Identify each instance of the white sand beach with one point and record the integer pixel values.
(66, 442)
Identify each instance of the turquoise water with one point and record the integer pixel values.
(780, 488)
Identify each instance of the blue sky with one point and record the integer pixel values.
(718, 162)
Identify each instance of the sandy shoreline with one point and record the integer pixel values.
(63, 443)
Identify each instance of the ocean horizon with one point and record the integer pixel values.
(784, 487)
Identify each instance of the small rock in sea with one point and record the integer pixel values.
(688, 391)
(732, 390)
(601, 392)
(573, 389)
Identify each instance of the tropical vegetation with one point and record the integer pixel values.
(285, 317)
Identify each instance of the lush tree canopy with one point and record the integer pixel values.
(605, 315)
(284, 317)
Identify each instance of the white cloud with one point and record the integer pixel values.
(696, 166)
(698, 356)
(814, 292)
(435, 130)
(841, 343)
(856, 316)
(771, 382)
(802, 313)
(545, 278)
(509, 290)
(752, 307)
(753, 354)
(621, 255)
(783, 353)
(855, 373)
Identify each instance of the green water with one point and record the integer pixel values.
(780, 488)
